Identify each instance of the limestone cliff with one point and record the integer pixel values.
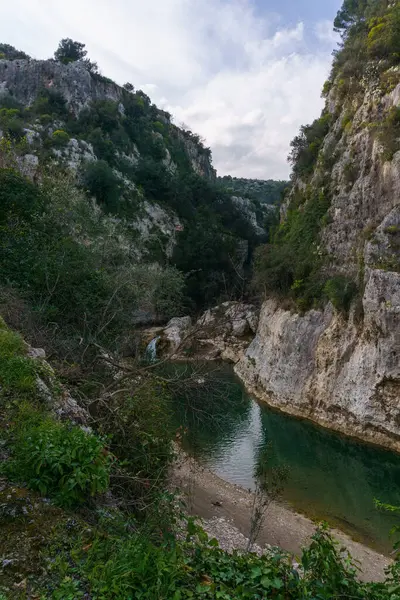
(338, 367)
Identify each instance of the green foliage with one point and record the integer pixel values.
(11, 53)
(160, 289)
(11, 123)
(60, 138)
(100, 182)
(340, 291)
(140, 430)
(17, 372)
(128, 87)
(291, 263)
(268, 192)
(388, 132)
(351, 13)
(134, 565)
(49, 102)
(384, 35)
(306, 146)
(326, 89)
(327, 574)
(69, 51)
(58, 459)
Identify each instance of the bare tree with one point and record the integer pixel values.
(270, 482)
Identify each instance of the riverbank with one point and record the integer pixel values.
(226, 509)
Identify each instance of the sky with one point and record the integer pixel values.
(244, 74)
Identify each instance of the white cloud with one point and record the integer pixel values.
(234, 78)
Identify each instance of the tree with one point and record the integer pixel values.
(270, 483)
(69, 51)
(100, 181)
(349, 14)
(128, 87)
(91, 66)
(10, 53)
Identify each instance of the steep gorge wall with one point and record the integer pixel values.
(343, 370)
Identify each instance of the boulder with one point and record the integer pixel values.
(176, 331)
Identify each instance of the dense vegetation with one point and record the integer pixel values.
(268, 191)
(77, 544)
(141, 155)
(108, 529)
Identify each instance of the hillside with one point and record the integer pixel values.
(152, 183)
(335, 258)
(112, 218)
(264, 191)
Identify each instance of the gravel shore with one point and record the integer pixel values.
(226, 508)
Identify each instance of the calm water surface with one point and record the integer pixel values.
(331, 477)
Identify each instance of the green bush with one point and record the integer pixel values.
(291, 264)
(50, 102)
(11, 53)
(100, 182)
(11, 123)
(60, 138)
(388, 132)
(340, 291)
(306, 146)
(384, 35)
(45, 119)
(58, 459)
(135, 566)
(17, 371)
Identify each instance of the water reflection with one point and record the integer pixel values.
(331, 477)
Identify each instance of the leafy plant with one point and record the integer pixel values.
(17, 371)
(60, 138)
(58, 459)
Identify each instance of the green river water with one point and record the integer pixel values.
(331, 477)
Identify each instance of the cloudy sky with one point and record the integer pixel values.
(245, 74)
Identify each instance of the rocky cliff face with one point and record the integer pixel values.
(343, 370)
(25, 79)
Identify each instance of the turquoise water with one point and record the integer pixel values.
(331, 477)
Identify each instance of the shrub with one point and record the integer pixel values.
(292, 262)
(17, 371)
(11, 123)
(340, 291)
(306, 146)
(58, 459)
(384, 35)
(389, 132)
(11, 53)
(60, 138)
(100, 182)
(141, 437)
(50, 102)
(326, 88)
(45, 119)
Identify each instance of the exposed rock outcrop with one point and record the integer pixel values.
(222, 332)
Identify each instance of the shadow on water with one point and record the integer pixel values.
(331, 477)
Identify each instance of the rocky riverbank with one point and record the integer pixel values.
(226, 508)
